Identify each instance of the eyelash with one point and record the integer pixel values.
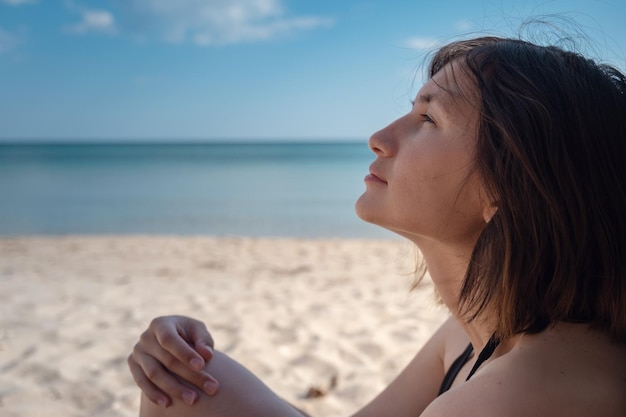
(425, 116)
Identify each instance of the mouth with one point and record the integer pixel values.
(373, 177)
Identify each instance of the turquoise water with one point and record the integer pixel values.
(301, 190)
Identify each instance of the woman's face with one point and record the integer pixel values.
(421, 184)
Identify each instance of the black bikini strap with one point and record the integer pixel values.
(456, 366)
(485, 354)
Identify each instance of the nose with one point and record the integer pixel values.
(382, 143)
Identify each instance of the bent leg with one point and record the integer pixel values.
(240, 394)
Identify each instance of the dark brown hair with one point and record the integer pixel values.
(551, 151)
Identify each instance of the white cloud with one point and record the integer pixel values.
(7, 41)
(255, 32)
(215, 22)
(463, 25)
(17, 2)
(421, 43)
(94, 21)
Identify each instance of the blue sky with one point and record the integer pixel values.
(131, 70)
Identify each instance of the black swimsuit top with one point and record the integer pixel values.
(458, 363)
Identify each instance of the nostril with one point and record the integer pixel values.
(376, 150)
(383, 142)
(379, 145)
(375, 143)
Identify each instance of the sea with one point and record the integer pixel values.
(275, 189)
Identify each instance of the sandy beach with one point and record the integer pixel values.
(298, 313)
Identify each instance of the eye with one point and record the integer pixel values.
(426, 118)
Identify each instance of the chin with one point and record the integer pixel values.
(370, 212)
(363, 210)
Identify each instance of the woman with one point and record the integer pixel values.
(509, 174)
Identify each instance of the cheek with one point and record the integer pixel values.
(423, 177)
(436, 197)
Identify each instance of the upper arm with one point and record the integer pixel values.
(418, 384)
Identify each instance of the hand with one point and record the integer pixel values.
(171, 349)
(241, 394)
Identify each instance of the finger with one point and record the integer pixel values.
(182, 373)
(148, 388)
(168, 365)
(196, 333)
(151, 373)
(177, 341)
(204, 350)
(167, 337)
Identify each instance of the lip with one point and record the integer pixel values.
(374, 177)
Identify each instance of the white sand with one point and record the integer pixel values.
(296, 312)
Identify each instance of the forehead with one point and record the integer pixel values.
(450, 89)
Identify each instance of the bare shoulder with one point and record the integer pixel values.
(567, 371)
(448, 342)
(492, 393)
(418, 384)
(465, 401)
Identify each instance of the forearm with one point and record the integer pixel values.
(240, 394)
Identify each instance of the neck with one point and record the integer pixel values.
(447, 266)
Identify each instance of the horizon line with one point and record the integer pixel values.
(176, 141)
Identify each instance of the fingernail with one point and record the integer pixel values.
(189, 397)
(162, 402)
(196, 363)
(210, 387)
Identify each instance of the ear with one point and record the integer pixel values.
(489, 212)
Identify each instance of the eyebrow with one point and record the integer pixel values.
(435, 98)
